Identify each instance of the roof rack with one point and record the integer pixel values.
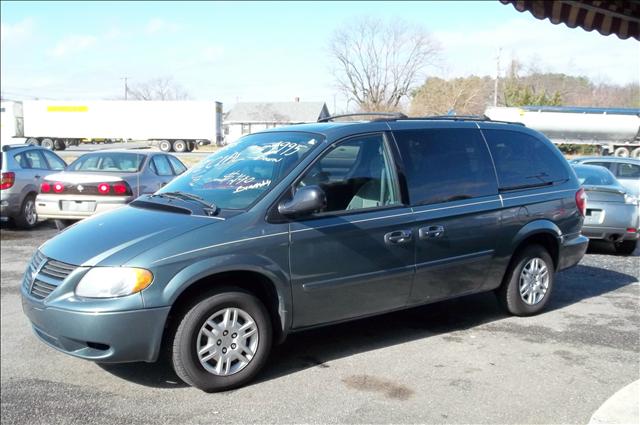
(384, 116)
(462, 118)
(393, 116)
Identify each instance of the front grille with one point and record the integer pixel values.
(44, 275)
(41, 290)
(57, 270)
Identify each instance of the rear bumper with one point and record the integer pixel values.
(50, 206)
(10, 204)
(612, 234)
(572, 249)
(612, 221)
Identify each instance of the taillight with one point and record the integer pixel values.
(120, 188)
(58, 187)
(104, 188)
(45, 187)
(581, 201)
(8, 179)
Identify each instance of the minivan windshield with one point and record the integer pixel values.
(236, 176)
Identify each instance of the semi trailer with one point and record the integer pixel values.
(615, 130)
(174, 125)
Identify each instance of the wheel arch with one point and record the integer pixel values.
(539, 232)
(267, 285)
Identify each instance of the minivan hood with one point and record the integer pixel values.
(112, 238)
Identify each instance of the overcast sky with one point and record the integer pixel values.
(268, 51)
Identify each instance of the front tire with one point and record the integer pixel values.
(626, 247)
(222, 341)
(528, 283)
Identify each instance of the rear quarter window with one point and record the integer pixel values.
(444, 165)
(523, 160)
(628, 171)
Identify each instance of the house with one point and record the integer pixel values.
(249, 117)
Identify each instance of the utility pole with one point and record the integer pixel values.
(495, 86)
(126, 88)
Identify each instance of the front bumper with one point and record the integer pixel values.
(572, 249)
(112, 330)
(117, 337)
(50, 206)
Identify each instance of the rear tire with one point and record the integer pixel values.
(524, 282)
(191, 146)
(28, 217)
(621, 152)
(47, 144)
(635, 153)
(626, 247)
(180, 146)
(165, 146)
(33, 141)
(195, 333)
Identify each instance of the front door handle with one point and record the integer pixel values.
(431, 232)
(398, 237)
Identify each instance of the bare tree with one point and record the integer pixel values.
(378, 64)
(158, 89)
(465, 96)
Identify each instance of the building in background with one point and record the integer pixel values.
(250, 117)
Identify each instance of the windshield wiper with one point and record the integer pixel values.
(184, 196)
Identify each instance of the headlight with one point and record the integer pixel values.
(628, 199)
(109, 282)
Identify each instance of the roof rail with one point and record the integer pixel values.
(383, 115)
(461, 118)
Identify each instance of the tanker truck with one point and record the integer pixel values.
(615, 130)
(173, 125)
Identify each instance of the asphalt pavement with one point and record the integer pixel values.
(459, 361)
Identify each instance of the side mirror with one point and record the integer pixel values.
(306, 200)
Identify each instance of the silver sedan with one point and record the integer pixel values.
(612, 214)
(102, 181)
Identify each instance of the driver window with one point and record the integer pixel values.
(354, 175)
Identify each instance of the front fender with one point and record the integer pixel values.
(211, 266)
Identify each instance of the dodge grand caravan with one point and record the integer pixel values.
(309, 225)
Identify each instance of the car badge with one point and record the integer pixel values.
(80, 188)
(37, 270)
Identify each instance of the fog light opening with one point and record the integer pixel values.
(97, 346)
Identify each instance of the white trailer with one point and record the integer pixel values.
(615, 130)
(10, 126)
(174, 125)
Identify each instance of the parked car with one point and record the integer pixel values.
(23, 168)
(626, 170)
(304, 226)
(102, 181)
(612, 214)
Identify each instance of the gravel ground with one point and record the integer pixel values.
(460, 361)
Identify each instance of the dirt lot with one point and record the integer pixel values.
(460, 361)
